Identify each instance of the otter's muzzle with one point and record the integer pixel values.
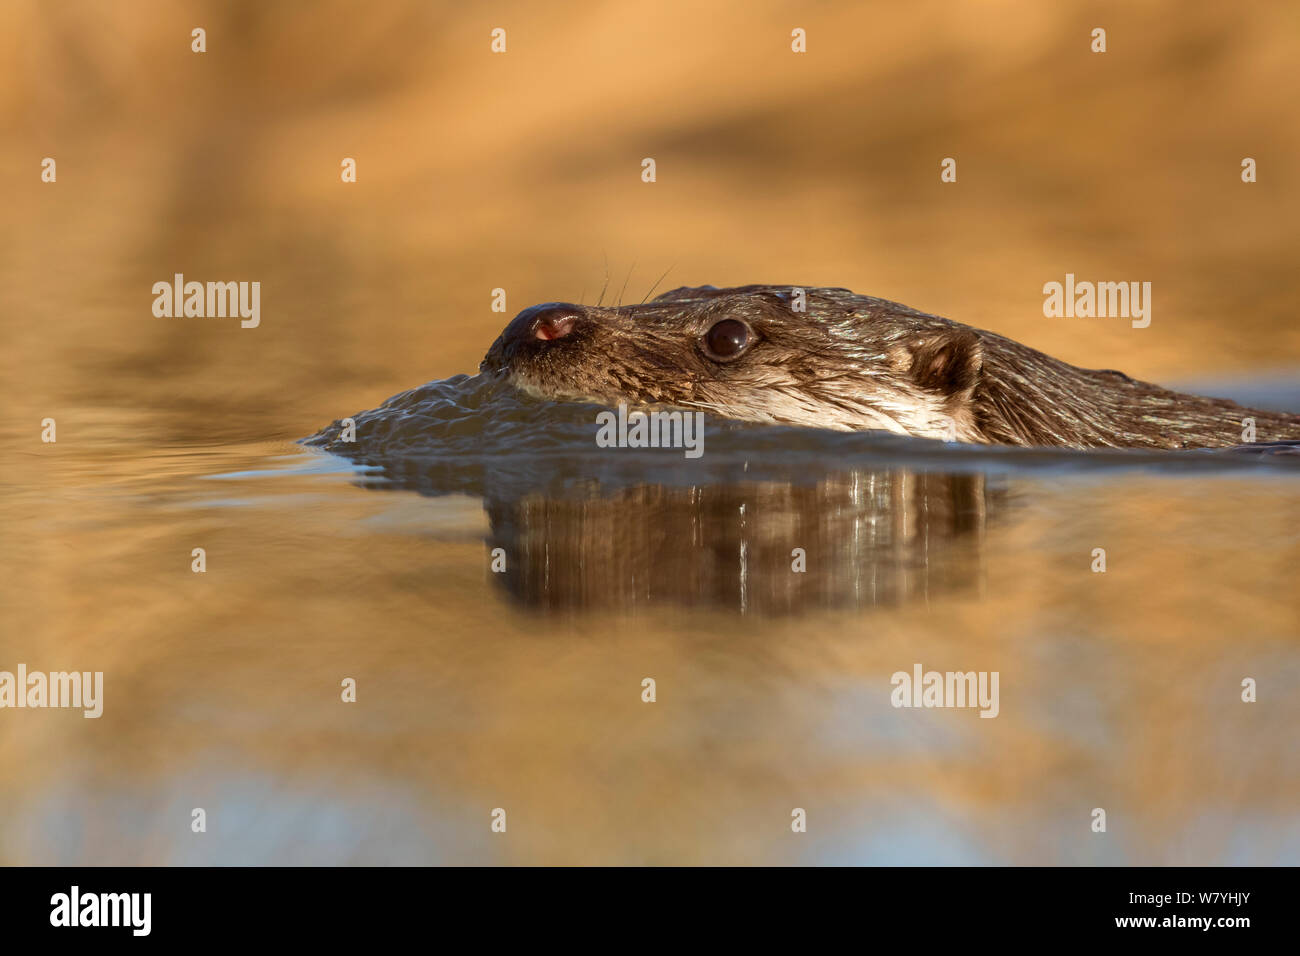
(534, 331)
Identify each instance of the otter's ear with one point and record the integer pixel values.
(946, 362)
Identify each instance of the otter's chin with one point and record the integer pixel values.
(549, 389)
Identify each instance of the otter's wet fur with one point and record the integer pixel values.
(853, 362)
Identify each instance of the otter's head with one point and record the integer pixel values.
(844, 361)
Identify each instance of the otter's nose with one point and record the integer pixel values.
(534, 332)
(544, 323)
(555, 325)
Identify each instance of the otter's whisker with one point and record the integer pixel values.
(656, 285)
(606, 285)
(625, 282)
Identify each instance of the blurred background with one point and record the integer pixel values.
(523, 171)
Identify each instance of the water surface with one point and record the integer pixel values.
(521, 689)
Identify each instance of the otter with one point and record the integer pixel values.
(851, 362)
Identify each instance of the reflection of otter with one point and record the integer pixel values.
(831, 359)
(584, 527)
(870, 537)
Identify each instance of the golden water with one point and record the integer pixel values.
(523, 690)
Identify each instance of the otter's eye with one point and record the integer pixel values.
(726, 340)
